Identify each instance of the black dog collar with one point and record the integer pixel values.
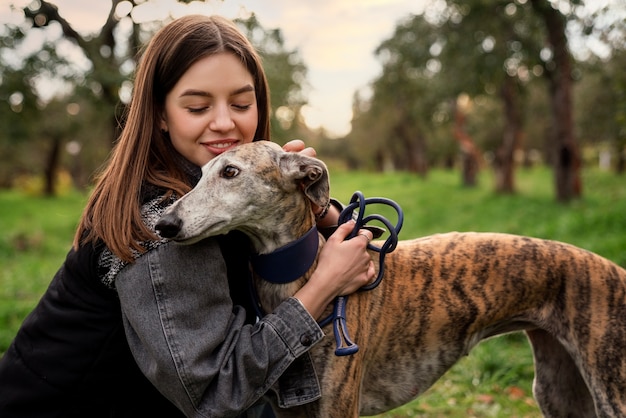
(289, 262)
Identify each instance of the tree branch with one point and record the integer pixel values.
(49, 12)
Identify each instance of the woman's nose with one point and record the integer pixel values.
(221, 120)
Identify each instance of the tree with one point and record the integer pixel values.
(604, 82)
(105, 86)
(453, 49)
(558, 70)
(105, 51)
(20, 100)
(396, 120)
(470, 153)
(497, 53)
(108, 55)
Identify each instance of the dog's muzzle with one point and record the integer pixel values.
(169, 226)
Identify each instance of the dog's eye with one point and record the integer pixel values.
(229, 171)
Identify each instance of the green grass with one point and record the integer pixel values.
(36, 234)
(493, 381)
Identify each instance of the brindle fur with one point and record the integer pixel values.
(441, 296)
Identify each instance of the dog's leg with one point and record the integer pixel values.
(559, 388)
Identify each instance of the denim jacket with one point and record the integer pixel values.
(193, 343)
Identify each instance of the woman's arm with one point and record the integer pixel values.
(193, 344)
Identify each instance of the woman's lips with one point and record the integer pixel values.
(218, 147)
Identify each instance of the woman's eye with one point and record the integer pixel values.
(196, 109)
(242, 107)
(230, 171)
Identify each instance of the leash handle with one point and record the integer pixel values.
(339, 312)
(360, 202)
(340, 329)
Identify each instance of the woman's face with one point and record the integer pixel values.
(211, 109)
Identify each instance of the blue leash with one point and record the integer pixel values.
(338, 317)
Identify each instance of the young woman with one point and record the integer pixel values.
(126, 303)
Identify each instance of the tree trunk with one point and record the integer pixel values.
(413, 143)
(470, 156)
(566, 155)
(416, 153)
(505, 154)
(52, 165)
(620, 151)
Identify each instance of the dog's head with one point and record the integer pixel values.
(256, 188)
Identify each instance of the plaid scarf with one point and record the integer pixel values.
(109, 265)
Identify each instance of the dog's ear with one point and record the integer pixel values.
(310, 173)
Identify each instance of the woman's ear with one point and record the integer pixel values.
(163, 123)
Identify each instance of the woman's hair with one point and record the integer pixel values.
(142, 154)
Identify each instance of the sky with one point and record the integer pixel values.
(335, 38)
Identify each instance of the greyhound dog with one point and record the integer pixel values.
(441, 295)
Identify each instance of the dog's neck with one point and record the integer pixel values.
(266, 241)
(270, 293)
(289, 262)
(271, 234)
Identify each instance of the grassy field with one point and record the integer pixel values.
(493, 381)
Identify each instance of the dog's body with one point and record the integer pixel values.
(441, 295)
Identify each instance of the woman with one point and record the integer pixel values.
(199, 90)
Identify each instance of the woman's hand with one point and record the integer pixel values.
(344, 266)
(297, 145)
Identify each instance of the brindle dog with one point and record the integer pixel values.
(441, 296)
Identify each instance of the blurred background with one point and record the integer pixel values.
(375, 85)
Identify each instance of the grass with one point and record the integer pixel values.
(36, 234)
(493, 381)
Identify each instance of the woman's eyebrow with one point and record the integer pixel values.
(192, 92)
(245, 89)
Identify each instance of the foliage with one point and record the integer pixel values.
(605, 125)
(452, 49)
(97, 85)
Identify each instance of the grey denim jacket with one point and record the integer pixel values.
(193, 344)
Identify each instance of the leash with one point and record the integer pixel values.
(338, 317)
(290, 262)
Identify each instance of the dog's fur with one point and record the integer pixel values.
(441, 295)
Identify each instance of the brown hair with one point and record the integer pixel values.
(142, 154)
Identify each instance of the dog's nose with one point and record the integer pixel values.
(168, 226)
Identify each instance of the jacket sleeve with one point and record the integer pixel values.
(191, 341)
